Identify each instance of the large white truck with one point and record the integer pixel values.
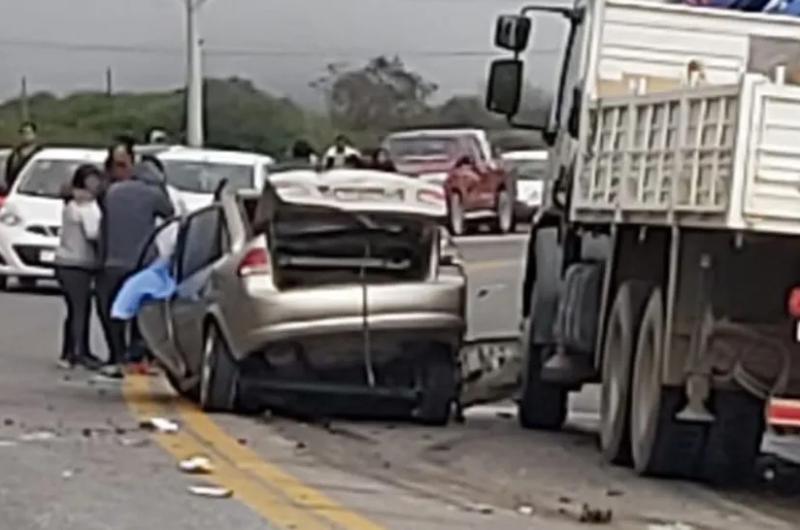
(666, 262)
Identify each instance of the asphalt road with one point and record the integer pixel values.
(73, 454)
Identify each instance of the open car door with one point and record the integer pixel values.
(154, 318)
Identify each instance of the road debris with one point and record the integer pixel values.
(197, 465)
(213, 492)
(300, 446)
(8, 422)
(615, 493)
(593, 515)
(525, 510)
(8, 443)
(134, 442)
(38, 436)
(564, 500)
(670, 526)
(67, 474)
(160, 425)
(505, 415)
(241, 441)
(484, 509)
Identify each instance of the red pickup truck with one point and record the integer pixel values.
(478, 189)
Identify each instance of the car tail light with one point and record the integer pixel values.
(793, 303)
(255, 262)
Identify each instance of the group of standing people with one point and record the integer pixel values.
(108, 216)
(339, 155)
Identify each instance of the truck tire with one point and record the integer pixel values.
(438, 384)
(505, 218)
(660, 445)
(619, 348)
(219, 378)
(3, 283)
(734, 439)
(542, 405)
(455, 212)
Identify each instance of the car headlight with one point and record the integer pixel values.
(10, 218)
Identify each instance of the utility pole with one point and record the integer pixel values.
(194, 76)
(109, 82)
(25, 109)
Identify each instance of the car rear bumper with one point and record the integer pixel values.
(415, 310)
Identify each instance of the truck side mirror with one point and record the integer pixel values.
(512, 32)
(505, 86)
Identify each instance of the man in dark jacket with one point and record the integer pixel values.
(130, 210)
(21, 153)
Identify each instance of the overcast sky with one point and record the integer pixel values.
(53, 42)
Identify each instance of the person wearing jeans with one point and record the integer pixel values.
(76, 262)
(130, 210)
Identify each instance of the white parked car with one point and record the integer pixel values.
(530, 171)
(30, 219)
(196, 173)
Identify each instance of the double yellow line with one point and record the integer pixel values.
(275, 495)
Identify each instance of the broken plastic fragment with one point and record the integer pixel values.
(525, 509)
(197, 465)
(161, 425)
(37, 436)
(214, 492)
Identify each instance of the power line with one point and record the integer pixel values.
(231, 52)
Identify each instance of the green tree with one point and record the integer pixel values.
(383, 94)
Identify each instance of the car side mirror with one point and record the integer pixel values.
(505, 86)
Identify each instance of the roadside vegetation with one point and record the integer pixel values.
(364, 103)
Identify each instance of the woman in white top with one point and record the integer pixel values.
(76, 264)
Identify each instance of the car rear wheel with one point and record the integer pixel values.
(504, 222)
(458, 224)
(438, 385)
(219, 379)
(192, 393)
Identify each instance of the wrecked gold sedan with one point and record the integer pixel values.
(326, 288)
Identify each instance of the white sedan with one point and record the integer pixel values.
(196, 173)
(30, 219)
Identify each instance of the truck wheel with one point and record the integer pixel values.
(505, 216)
(734, 439)
(618, 351)
(3, 283)
(438, 384)
(542, 405)
(660, 445)
(219, 379)
(458, 224)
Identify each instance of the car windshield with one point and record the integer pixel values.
(528, 169)
(46, 178)
(204, 177)
(423, 147)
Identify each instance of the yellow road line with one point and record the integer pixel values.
(246, 459)
(267, 504)
(269, 491)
